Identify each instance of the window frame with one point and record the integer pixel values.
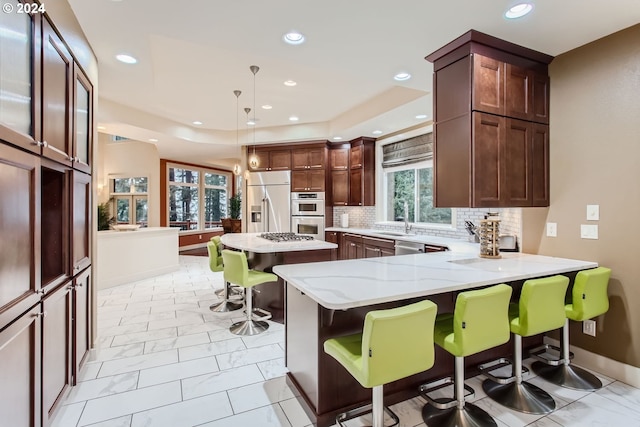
(131, 196)
(201, 187)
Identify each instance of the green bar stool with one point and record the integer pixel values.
(394, 344)
(589, 300)
(540, 309)
(214, 248)
(236, 271)
(479, 322)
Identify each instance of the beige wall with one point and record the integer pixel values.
(595, 159)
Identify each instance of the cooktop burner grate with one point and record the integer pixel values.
(284, 237)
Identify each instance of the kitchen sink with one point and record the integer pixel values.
(391, 233)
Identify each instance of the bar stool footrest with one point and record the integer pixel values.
(486, 369)
(363, 410)
(444, 403)
(260, 315)
(539, 352)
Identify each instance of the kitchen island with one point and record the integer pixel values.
(329, 299)
(264, 254)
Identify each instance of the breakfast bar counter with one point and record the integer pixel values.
(329, 299)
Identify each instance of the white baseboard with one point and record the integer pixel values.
(612, 368)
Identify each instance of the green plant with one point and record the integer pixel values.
(104, 218)
(235, 203)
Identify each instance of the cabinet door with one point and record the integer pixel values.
(56, 349)
(54, 224)
(300, 159)
(331, 236)
(56, 93)
(516, 183)
(82, 121)
(19, 78)
(316, 179)
(20, 247)
(316, 158)
(355, 157)
(488, 134)
(540, 165)
(540, 98)
(488, 85)
(353, 247)
(355, 187)
(340, 187)
(280, 160)
(20, 353)
(339, 158)
(299, 181)
(371, 251)
(81, 221)
(263, 160)
(81, 321)
(518, 101)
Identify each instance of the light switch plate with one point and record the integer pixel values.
(552, 229)
(589, 327)
(593, 212)
(589, 231)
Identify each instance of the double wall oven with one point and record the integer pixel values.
(307, 214)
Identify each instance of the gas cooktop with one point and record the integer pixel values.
(284, 237)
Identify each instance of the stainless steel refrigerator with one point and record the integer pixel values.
(268, 198)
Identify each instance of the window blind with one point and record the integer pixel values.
(408, 151)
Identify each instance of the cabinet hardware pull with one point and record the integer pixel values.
(56, 150)
(39, 143)
(43, 314)
(40, 292)
(353, 244)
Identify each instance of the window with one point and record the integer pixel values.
(130, 202)
(198, 197)
(413, 184)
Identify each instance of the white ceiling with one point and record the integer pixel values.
(193, 54)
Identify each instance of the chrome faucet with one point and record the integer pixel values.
(407, 227)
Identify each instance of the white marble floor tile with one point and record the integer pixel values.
(68, 415)
(187, 413)
(268, 416)
(129, 402)
(173, 307)
(150, 304)
(409, 411)
(104, 314)
(177, 342)
(622, 393)
(146, 317)
(112, 353)
(183, 319)
(125, 298)
(223, 334)
(294, 412)
(114, 422)
(204, 327)
(220, 381)
(144, 336)
(124, 329)
(214, 348)
(251, 355)
(595, 410)
(89, 371)
(544, 422)
(260, 394)
(103, 387)
(104, 341)
(108, 323)
(265, 338)
(273, 368)
(177, 371)
(135, 363)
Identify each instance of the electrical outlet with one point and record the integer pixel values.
(589, 327)
(552, 229)
(588, 231)
(593, 212)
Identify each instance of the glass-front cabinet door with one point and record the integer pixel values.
(82, 119)
(17, 53)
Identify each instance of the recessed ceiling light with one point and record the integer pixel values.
(290, 83)
(376, 132)
(197, 123)
(402, 76)
(153, 140)
(518, 11)
(267, 107)
(293, 118)
(293, 37)
(101, 128)
(127, 59)
(421, 116)
(337, 138)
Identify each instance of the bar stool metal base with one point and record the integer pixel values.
(248, 327)
(468, 416)
(568, 376)
(225, 306)
(523, 397)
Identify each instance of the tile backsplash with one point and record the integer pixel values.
(365, 217)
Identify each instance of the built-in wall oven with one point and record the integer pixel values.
(307, 214)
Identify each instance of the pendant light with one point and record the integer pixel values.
(253, 160)
(252, 165)
(237, 169)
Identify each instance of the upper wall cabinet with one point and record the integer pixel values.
(82, 120)
(271, 160)
(19, 78)
(308, 158)
(491, 133)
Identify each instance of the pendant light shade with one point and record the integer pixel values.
(253, 159)
(237, 169)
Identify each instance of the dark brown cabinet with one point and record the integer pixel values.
(81, 221)
(340, 158)
(362, 172)
(374, 247)
(353, 247)
(334, 237)
(340, 187)
(308, 158)
(491, 101)
(309, 180)
(81, 322)
(82, 121)
(271, 160)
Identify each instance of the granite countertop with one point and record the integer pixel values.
(347, 284)
(456, 245)
(252, 242)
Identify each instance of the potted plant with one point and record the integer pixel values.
(104, 216)
(234, 224)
